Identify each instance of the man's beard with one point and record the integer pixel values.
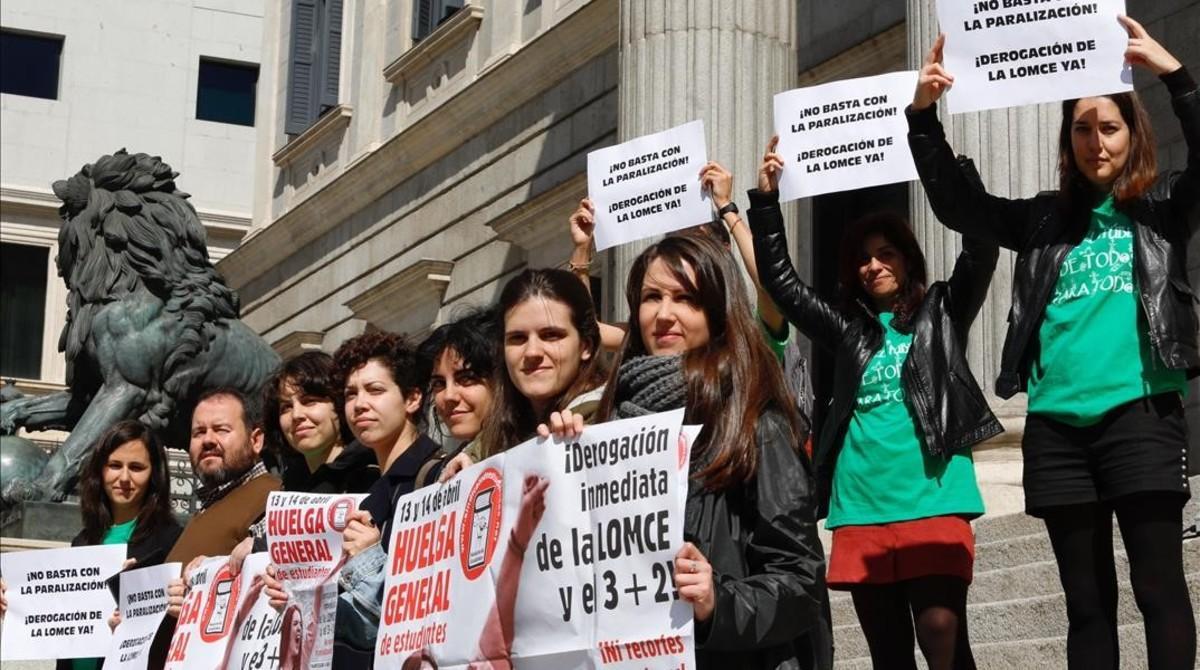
(231, 468)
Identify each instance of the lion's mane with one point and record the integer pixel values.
(128, 227)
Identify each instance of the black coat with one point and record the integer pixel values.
(353, 471)
(772, 608)
(150, 550)
(1042, 231)
(948, 405)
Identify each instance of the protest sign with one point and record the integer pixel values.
(844, 135)
(58, 602)
(552, 554)
(143, 606)
(1004, 53)
(304, 537)
(649, 185)
(215, 612)
(256, 645)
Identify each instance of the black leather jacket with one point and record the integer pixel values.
(1041, 232)
(771, 609)
(949, 407)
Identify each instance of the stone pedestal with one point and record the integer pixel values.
(49, 521)
(717, 60)
(1015, 151)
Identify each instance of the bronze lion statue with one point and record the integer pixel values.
(150, 323)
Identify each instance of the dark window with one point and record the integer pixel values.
(226, 92)
(29, 64)
(22, 309)
(316, 60)
(429, 14)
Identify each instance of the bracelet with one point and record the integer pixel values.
(731, 206)
(584, 267)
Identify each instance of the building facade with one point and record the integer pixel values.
(80, 79)
(414, 154)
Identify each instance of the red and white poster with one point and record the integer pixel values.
(554, 554)
(304, 538)
(216, 612)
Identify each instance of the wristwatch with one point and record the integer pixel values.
(731, 207)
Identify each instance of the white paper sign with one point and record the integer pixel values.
(58, 602)
(553, 554)
(844, 135)
(256, 646)
(649, 186)
(143, 606)
(304, 534)
(1005, 53)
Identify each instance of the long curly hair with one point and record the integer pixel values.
(128, 228)
(895, 229)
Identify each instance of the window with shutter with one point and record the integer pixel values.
(429, 14)
(315, 64)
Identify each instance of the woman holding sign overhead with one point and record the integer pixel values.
(895, 476)
(1102, 338)
(753, 566)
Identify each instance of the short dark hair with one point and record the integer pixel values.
(314, 374)
(251, 411)
(409, 371)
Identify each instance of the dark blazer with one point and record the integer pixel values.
(947, 403)
(771, 608)
(1042, 232)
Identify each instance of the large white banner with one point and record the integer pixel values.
(1004, 53)
(58, 602)
(304, 536)
(143, 606)
(554, 554)
(844, 135)
(649, 185)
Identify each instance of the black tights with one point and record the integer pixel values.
(1083, 545)
(937, 605)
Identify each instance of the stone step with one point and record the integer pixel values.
(1020, 581)
(1028, 618)
(1047, 653)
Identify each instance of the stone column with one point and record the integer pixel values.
(717, 60)
(1015, 150)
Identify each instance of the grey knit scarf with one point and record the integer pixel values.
(649, 384)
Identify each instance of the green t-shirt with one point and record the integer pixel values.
(883, 473)
(1095, 344)
(117, 534)
(776, 341)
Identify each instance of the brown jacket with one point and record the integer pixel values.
(216, 530)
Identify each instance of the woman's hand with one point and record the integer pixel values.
(694, 581)
(583, 225)
(772, 166)
(718, 182)
(3, 598)
(176, 591)
(1145, 51)
(360, 534)
(454, 466)
(114, 620)
(239, 554)
(564, 424)
(277, 598)
(932, 80)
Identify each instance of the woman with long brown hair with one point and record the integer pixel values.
(752, 567)
(895, 476)
(1102, 338)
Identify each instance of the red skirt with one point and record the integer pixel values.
(894, 552)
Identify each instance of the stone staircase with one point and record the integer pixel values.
(1016, 609)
